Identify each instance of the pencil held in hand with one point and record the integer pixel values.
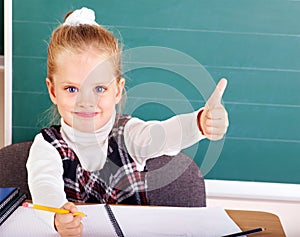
(52, 209)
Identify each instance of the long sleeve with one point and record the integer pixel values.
(145, 140)
(45, 181)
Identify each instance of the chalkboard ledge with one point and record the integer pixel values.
(252, 190)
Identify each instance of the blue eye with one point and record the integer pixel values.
(99, 89)
(72, 89)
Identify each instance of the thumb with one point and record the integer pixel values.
(216, 96)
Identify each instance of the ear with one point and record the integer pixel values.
(51, 90)
(120, 87)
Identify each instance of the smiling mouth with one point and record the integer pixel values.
(86, 114)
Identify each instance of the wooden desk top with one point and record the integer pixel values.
(253, 219)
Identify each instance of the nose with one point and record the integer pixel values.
(85, 99)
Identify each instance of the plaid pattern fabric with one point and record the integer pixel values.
(117, 182)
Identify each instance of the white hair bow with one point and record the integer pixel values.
(81, 17)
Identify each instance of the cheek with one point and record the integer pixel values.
(107, 103)
(66, 103)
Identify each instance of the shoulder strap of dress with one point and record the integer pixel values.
(52, 133)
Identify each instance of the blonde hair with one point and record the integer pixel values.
(79, 38)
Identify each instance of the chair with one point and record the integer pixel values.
(172, 181)
(13, 171)
(175, 181)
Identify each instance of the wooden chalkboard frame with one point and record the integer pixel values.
(8, 72)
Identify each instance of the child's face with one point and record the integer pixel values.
(85, 90)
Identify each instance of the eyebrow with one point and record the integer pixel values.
(69, 83)
(98, 83)
(107, 83)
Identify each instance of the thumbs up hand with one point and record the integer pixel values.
(213, 119)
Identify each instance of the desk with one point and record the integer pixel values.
(252, 219)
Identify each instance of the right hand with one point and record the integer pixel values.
(67, 224)
(214, 118)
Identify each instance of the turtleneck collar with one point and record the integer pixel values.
(87, 138)
(91, 148)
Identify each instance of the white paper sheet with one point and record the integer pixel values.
(173, 221)
(135, 221)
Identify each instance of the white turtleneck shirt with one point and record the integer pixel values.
(143, 140)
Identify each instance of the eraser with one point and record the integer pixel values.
(25, 204)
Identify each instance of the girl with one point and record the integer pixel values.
(96, 155)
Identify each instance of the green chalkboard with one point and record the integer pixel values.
(255, 44)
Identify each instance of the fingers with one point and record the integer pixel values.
(70, 206)
(216, 97)
(65, 228)
(218, 113)
(67, 224)
(214, 123)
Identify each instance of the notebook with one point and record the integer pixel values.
(11, 198)
(6, 195)
(134, 221)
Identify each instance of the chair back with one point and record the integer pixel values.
(13, 171)
(172, 181)
(175, 181)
